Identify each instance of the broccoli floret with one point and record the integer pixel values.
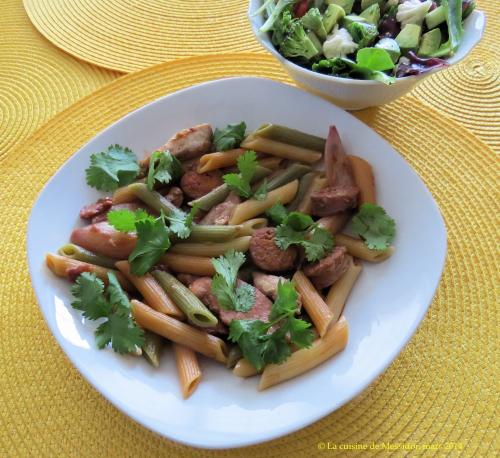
(281, 28)
(298, 44)
(313, 20)
(362, 33)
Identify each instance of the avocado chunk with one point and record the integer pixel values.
(371, 14)
(362, 33)
(435, 17)
(391, 46)
(409, 38)
(346, 5)
(315, 41)
(367, 3)
(351, 18)
(332, 15)
(430, 42)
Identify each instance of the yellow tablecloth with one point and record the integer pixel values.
(440, 393)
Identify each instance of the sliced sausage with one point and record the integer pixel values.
(92, 210)
(101, 238)
(175, 195)
(74, 272)
(221, 214)
(188, 143)
(196, 184)
(260, 310)
(333, 199)
(187, 279)
(328, 270)
(265, 253)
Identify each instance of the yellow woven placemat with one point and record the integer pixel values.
(37, 80)
(441, 391)
(128, 35)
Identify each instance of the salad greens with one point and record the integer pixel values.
(370, 39)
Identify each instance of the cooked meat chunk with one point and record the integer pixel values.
(196, 184)
(328, 270)
(333, 199)
(175, 195)
(187, 279)
(259, 311)
(101, 238)
(92, 210)
(219, 330)
(221, 214)
(74, 272)
(188, 143)
(337, 165)
(266, 255)
(267, 284)
(132, 206)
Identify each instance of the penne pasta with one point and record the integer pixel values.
(340, 290)
(305, 359)
(315, 306)
(70, 250)
(253, 207)
(290, 136)
(70, 268)
(152, 292)
(182, 263)
(124, 195)
(289, 174)
(270, 162)
(222, 233)
(152, 348)
(357, 248)
(219, 160)
(211, 249)
(292, 152)
(179, 332)
(364, 178)
(188, 369)
(318, 182)
(244, 369)
(304, 184)
(334, 223)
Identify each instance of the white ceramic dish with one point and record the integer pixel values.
(383, 312)
(354, 94)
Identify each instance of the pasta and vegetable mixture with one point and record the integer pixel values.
(239, 247)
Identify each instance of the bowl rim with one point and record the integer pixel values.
(265, 42)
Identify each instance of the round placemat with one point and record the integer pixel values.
(37, 80)
(128, 35)
(439, 395)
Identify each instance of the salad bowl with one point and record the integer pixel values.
(355, 94)
(383, 312)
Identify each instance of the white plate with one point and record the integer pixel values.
(383, 311)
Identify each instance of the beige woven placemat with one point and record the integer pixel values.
(441, 392)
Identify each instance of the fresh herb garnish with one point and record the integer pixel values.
(240, 182)
(112, 168)
(124, 220)
(182, 222)
(229, 296)
(374, 226)
(230, 137)
(297, 228)
(111, 303)
(163, 168)
(259, 346)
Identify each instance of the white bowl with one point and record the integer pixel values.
(385, 308)
(354, 94)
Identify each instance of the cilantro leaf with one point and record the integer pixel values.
(299, 229)
(247, 163)
(261, 191)
(124, 220)
(88, 293)
(230, 297)
(119, 329)
(374, 226)
(238, 185)
(230, 137)
(182, 222)
(163, 168)
(277, 213)
(112, 168)
(152, 242)
(259, 346)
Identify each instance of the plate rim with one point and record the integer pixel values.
(304, 420)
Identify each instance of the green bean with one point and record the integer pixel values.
(217, 195)
(304, 184)
(152, 198)
(289, 136)
(233, 356)
(194, 309)
(78, 253)
(289, 174)
(152, 347)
